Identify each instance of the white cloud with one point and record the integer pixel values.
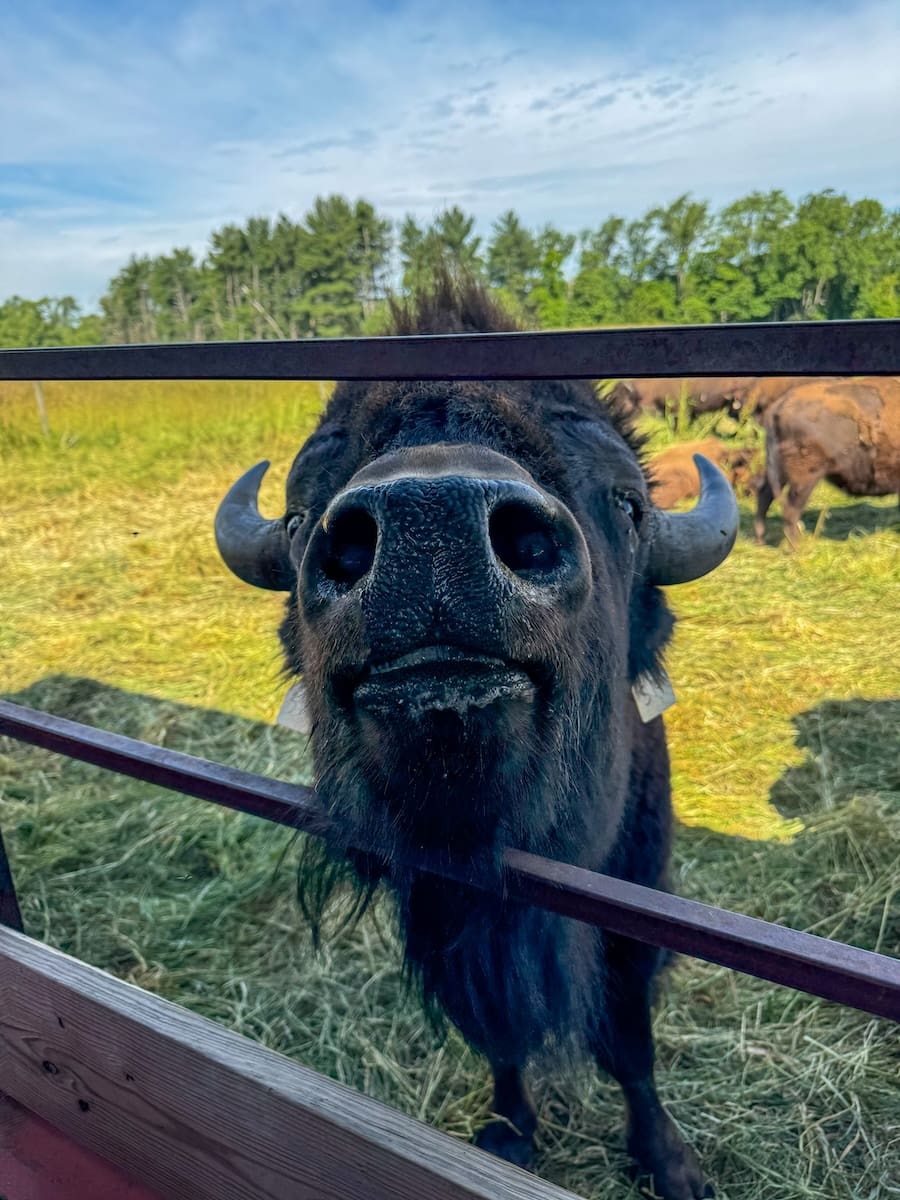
(213, 120)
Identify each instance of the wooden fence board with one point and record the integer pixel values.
(198, 1112)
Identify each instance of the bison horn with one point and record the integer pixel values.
(685, 546)
(255, 549)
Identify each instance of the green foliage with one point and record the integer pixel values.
(316, 278)
(341, 252)
(512, 258)
(455, 233)
(761, 258)
(681, 229)
(449, 242)
(550, 294)
(880, 298)
(47, 322)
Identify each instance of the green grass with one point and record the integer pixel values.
(786, 762)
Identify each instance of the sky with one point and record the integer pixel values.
(132, 128)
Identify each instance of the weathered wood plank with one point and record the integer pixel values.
(39, 1162)
(197, 1112)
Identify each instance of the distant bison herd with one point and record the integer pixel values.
(703, 395)
(846, 431)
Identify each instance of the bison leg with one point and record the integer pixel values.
(513, 1137)
(625, 1051)
(764, 498)
(792, 507)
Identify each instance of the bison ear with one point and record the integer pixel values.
(254, 549)
(686, 546)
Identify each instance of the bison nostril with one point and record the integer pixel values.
(523, 539)
(350, 547)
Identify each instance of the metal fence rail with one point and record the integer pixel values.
(788, 348)
(858, 978)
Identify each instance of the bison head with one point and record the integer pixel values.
(474, 574)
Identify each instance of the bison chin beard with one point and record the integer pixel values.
(443, 769)
(441, 757)
(452, 784)
(445, 778)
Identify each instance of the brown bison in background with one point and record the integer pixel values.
(675, 477)
(751, 392)
(656, 395)
(847, 432)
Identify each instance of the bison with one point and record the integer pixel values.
(743, 392)
(847, 432)
(703, 395)
(674, 475)
(474, 576)
(764, 392)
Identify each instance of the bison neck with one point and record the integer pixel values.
(516, 981)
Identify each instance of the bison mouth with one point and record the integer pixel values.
(434, 679)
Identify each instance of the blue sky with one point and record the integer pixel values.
(133, 128)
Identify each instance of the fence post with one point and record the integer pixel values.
(10, 914)
(42, 408)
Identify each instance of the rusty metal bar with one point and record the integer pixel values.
(10, 913)
(284, 803)
(858, 978)
(769, 348)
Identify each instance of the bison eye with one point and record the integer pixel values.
(631, 506)
(294, 521)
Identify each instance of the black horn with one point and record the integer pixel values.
(255, 549)
(685, 546)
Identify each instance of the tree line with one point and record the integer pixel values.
(762, 258)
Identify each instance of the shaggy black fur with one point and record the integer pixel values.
(573, 774)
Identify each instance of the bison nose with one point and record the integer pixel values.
(348, 541)
(447, 533)
(524, 534)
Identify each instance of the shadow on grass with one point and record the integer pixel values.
(205, 732)
(840, 874)
(853, 749)
(838, 524)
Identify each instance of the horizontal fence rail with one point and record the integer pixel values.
(846, 974)
(771, 348)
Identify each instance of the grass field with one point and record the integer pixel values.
(786, 756)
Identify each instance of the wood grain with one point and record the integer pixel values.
(200, 1113)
